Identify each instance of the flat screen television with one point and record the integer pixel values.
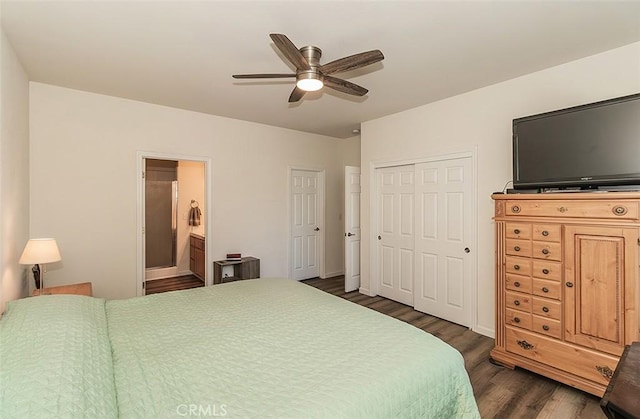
(583, 147)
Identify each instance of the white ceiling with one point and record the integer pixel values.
(183, 53)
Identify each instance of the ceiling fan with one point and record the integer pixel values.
(310, 75)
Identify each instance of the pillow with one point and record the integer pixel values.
(55, 359)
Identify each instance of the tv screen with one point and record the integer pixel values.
(585, 146)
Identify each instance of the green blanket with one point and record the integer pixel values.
(278, 348)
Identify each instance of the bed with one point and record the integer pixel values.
(258, 348)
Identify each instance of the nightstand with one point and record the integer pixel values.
(77, 289)
(621, 398)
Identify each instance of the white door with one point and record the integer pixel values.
(351, 228)
(444, 234)
(305, 224)
(395, 237)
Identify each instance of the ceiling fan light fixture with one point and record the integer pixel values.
(309, 81)
(310, 85)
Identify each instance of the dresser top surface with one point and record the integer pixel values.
(587, 196)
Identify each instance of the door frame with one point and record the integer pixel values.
(373, 220)
(321, 222)
(141, 156)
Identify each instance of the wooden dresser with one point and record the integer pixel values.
(567, 283)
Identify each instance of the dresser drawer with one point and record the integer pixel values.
(518, 231)
(547, 232)
(518, 266)
(546, 308)
(517, 283)
(518, 247)
(517, 318)
(544, 288)
(547, 250)
(518, 301)
(547, 326)
(546, 269)
(573, 209)
(575, 360)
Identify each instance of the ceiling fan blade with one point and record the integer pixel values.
(296, 94)
(262, 76)
(290, 51)
(344, 86)
(352, 62)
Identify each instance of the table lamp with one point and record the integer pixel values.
(40, 251)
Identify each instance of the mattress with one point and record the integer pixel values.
(258, 348)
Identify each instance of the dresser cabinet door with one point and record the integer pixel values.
(599, 262)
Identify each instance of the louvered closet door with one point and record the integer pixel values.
(395, 240)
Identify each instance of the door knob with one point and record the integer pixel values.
(379, 237)
(316, 229)
(467, 250)
(349, 234)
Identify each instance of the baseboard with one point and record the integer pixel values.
(485, 331)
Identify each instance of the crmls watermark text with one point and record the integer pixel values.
(202, 410)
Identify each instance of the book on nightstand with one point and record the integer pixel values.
(234, 256)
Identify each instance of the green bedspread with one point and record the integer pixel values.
(268, 348)
(278, 348)
(55, 359)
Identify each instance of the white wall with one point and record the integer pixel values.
(191, 176)
(78, 137)
(482, 119)
(14, 174)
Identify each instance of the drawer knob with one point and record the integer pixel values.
(545, 309)
(515, 209)
(516, 231)
(563, 209)
(619, 210)
(545, 327)
(605, 371)
(545, 289)
(516, 267)
(516, 319)
(516, 303)
(517, 284)
(516, 248)
(545, 233)
(545, 251)
(545, 271)
(569, 284)
(524, 345)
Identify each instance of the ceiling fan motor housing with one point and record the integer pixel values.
(312, 55)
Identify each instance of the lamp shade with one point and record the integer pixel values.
(40, 251)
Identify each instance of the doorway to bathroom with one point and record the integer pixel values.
(174, 222)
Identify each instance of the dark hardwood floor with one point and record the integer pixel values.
(500, 392)
(172, 284)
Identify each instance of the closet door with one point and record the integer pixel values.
(395, 237)
(444, 232)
